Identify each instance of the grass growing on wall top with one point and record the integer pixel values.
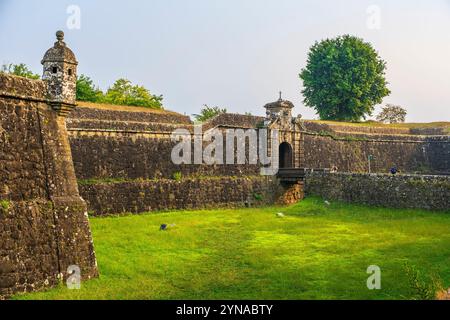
(177, 176)
(315, 252)
(409, 125)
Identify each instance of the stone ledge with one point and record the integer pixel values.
(22, 88)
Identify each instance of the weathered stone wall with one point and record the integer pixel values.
(117, 144)
(349, 151)
(121, 147)
(438, 153)
(400, 191)
(120, 142)
(233, 120)
(103, 155)
(43, 226)
(28, 246)
(290, 193)
(146, 196)
(123, 163)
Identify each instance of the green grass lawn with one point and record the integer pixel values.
(315, 252)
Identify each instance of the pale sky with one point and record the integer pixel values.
(237, 53)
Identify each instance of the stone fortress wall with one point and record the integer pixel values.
(43, 224)
(126, 152)
(123, 163)
(133, 144)
(403, 191)
(59, 163)
(348, 147)
(44, 227)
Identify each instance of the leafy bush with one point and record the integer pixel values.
(87, 91)
(392, 114)
(208, 113)
(123, 92)
(20, 70)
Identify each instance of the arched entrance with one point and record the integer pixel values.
(285, 153)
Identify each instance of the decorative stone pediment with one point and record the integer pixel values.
(279, 116)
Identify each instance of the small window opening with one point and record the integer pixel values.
(54, 70)
(70, 72)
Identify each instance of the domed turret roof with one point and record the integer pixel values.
(279, 104)
(59, 52)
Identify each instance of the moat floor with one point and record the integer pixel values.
(317, 251)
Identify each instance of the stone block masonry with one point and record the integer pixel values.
(118, 155)
(121, 157)
(349, 152)
(400, 191)
(146, 196)
(44, 227)
(117, 143)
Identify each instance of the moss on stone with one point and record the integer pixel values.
(5, 204)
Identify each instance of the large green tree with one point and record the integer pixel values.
(344, 79)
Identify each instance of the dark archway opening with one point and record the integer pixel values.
(285, 156)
